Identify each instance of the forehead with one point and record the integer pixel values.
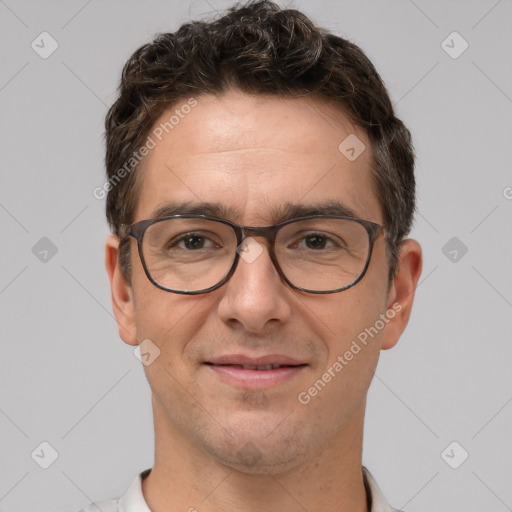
(253, 153)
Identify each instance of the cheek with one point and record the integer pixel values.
(357, 319)
(170, 321)
(167, 319)
(341, 382)
(352, 316)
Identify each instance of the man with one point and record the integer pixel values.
(260, 189)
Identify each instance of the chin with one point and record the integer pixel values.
(253, 451)
(255, 460)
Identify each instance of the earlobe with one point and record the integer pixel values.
(121, 293)
(401, 294)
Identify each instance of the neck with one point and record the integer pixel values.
(186, 478)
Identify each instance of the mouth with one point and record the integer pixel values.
(260, 367)
(255, 373)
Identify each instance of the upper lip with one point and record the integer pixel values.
(241, 359)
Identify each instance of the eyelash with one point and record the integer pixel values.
(181, 238)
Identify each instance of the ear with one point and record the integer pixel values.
(121, 293)
(401, 294)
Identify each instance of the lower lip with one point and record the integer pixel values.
(256, 379)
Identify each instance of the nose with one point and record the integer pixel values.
(255, 296)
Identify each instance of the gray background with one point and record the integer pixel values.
(67, 378)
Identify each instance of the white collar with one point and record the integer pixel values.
(377, 499)
(133, 500)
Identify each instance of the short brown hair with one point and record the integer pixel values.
(258, 48)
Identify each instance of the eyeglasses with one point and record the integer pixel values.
(194, 254)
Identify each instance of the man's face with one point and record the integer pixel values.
(252, 155)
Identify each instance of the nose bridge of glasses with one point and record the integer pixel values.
(268, 233)
(255, 240)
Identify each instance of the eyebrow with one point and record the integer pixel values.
(278, 214)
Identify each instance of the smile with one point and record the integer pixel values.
(260, 367)
(255, 373)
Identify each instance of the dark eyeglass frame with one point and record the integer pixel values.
(138, 229)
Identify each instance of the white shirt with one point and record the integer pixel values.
(133, 500)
